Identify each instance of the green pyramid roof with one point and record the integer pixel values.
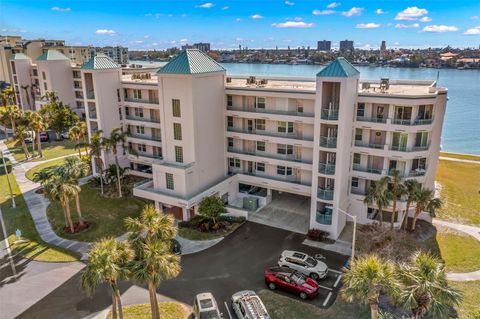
(100, 62)
(191, 61)
(20, 56)
(52, 55)
(339, 68)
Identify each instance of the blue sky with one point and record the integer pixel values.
(149, 24)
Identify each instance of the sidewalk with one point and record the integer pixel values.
(443, 158)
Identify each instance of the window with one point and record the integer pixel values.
(138, 112)
(176, 108)
(260, 146)
(230, 141)
(120, 112)
(283, 170)
(229, 100)
(44, 77)
(357, 158)
(127, 111)
(142, 147)
(361, 109)
(169, 181)
(234, 162)
(260, 102)
(45, 86)
(260, 167)
(419, 164)
(229, 121)
(140, 129)
(125, 93)
(354, 182)
(177, 131)
(137, 94)
(421, 139)
(178, 154)
(285, 127)
(358, 134)
(260, 125)
(284, 149)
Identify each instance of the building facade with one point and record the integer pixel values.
(346, 45)
(324, 45)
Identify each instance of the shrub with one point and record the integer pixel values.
(317, 234)
(231, 219)
(8, 164)
(211, 208)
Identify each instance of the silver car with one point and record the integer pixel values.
(303, 263)
(205, 307)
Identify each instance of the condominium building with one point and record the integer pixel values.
(118, 54)
(315, 145)
(346, 45)
(324, 45)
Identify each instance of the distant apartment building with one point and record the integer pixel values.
(324, 45)
(118, 54)
(383, 46)
(204, 47)
(321, 142)
(346, 45)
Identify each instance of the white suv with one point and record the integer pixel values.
(303, 263)
(247, 305)
(205, 307)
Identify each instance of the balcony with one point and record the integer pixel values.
(90, 94)
(92, 114)
(329, 114)
(145, 137)
(325, 194)
(372, 170)
(399, 148)
(369, 145)
(358, 191)
(330, 142)
(289, 157)
(412, 122)
(371, 119)
(142, 119)
(327, 169)
(272, 134)
(269, 111)
(281, 178)
(153, 101)
(323, 217)
(173, 164)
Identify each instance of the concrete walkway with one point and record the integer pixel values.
(470, 230)
(459, 160)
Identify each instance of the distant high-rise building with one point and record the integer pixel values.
(118, 54)
(324, 45)
(346, 45)
(383, 46)
(205, 47)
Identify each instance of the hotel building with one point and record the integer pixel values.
(314, 145)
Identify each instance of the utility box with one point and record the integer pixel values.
(250, 203)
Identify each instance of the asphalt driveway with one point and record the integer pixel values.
(236, 263)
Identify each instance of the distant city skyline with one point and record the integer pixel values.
(148, 25)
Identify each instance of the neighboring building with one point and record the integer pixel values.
(118, 54)
(346, 45)
(205, 47)
(324, 45)
(296, 145)
(383, 46)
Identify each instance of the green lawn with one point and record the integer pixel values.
(34, 248)
(469, 308)
(31, 172)
(460, 252)
(460, 191)
(168, 310)
(461, 156)
(193, 234)
(106, 215)
(281, 307)
(50, 150)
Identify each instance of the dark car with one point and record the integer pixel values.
(291, 281)
(44, 137)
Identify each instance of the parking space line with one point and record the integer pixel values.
(327, 299)
(335, 271)
(338, 280)
(328, 288)
(228, 310)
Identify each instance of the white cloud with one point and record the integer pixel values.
(61, 9)
(475, 17)
(439, 28)
(407, 26)
(379, 11)
(293, 24)
(14, 30)
(289, 3)
(411, 14)
(396, 43)
(207, 5)
(353, 12)
(322, 12)
(238, 20)
(146, 36)
(225, 8)
(333, 5)
(183, 40)
(238, 39)
(473, 31)
(256, 16)
(425, 19)
(298, 19)
(370, 25)
(105, 31)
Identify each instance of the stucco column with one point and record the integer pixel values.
(185, 213)
(159, 207)
(269, 195)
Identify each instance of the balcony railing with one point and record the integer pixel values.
(327, 169)
(402, 148)
(150, 101)
(412, 122)
(324, 218)
(272, 134)
(269, 111)
(371, 119)
(369, 145)
(173, 164)
(330, 142)
(92, 114)
(358, 191)
(372, 170)
(325, 194)
(90, 94)
(142, 119)
(145, 137)
(417, 172)
(281, 178)
(329, 114)
(288, 157)
(144, 154)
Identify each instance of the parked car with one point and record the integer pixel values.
(44, 137)
(64, 135)
(28, 140)
(247, 305)
(205, 307)
(291, 281)
(303, 263)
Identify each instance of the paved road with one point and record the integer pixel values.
(236, 263)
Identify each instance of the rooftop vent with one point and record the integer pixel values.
(384, 84)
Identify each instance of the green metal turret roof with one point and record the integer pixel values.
(191, 61)
(20, 56)
(339, 68)
(100, 62)
(52, 55)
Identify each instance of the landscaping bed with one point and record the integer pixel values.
(168, 310)
(31, 172)
(52, 149)
(194, 229)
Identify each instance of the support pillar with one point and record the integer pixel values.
(159, 207)
(269, 195)
(185, 213)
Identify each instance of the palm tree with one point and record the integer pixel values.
(78, 133)
(74, 169)
(8, 96)
(21, 132)
(366, 278)
(378, 194)
(111, 144)
(12, 113)
(56, 189)
(397, 190)
(426, 201)
(4, 120)
(37, 124)
(107, 263)
(411, 188)
(425, 287)
(150, 237)
(96, 147)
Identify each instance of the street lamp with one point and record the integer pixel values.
(8, 180)
(354, 229)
